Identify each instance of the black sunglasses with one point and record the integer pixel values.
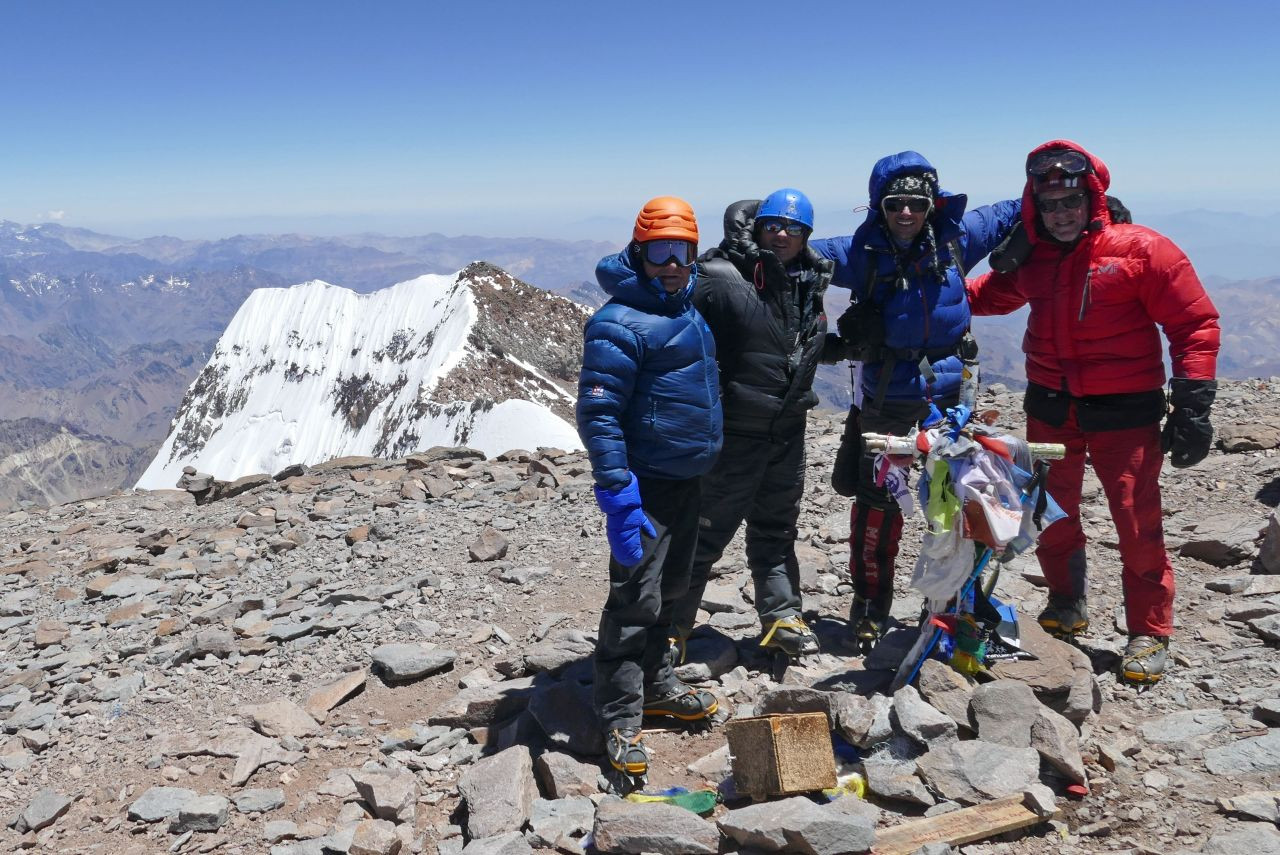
(914, 204)
(1048, 206)
(774, 226)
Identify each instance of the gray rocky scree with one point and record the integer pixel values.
(157, 654)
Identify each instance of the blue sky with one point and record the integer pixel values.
(204, 119)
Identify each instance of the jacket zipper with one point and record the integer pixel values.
(1084, 298)
(706, 376)
(924, 311)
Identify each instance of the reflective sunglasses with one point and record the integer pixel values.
(914, 204)
(1070, 162)
(662, 252)
(772, 227)
(1048, 206)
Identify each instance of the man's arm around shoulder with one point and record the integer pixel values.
(994, 294)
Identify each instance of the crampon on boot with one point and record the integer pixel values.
(629, 758)
(866, 624)
(686, 703)
(792, 636)
(1065, 617)
(1144, 659)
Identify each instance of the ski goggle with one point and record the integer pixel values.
(772, 227)
(914, 204)
(1048, 206)
(1070, 162)
(663, 252)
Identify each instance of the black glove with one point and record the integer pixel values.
(1187, 431)
(834, 349)
(1012, 251)
(862, 329)
(1119, 213)
(845, 472)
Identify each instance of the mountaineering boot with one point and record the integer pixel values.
(866, 623)
(1065, 616)
(683, 702)
(627, 752)
(1144, 659)
(791, 636)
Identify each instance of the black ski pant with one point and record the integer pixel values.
(631, 661)
(760, 481)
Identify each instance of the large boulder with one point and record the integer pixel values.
(625, 827)
(1061, 675)
(976, 771)
(797, 824)
(1222, 538)
(1004, 711)
(499, 792)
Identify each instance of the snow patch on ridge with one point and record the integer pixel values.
(313, 372)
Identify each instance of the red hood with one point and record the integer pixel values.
(1096, 183)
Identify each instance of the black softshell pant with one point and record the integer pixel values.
(631, 660)
(760, 481)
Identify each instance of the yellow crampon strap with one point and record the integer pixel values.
(681, 644)
(1131, 664)
(793, 622)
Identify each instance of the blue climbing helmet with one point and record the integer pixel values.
(787, 204)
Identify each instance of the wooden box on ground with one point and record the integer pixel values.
(775, 755)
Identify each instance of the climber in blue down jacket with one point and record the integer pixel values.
(649, 416)
(908, 327)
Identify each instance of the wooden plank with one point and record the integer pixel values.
(959, 826)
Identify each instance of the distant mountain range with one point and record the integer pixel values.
(362, 263)
(100, 336)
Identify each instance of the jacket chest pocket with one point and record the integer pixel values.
(1111, 281)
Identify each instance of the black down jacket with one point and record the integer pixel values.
(769, 326)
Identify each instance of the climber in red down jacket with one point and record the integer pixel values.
(1097, 292)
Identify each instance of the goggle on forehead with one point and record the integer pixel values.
(662, 252)
(1066, 160)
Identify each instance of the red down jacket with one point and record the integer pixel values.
(1095, 305)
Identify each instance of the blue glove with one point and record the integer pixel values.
(625, 520)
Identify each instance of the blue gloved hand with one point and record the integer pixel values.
(625, 519)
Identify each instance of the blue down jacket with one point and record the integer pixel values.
(922, 306)
(648, 394)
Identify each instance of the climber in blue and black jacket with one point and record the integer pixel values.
(649, 416)
(908, 326)
(761, 292)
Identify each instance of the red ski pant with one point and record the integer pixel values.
(1127, 463)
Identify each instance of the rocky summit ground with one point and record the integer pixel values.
(377, 656)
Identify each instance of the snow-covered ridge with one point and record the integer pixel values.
(313, 372)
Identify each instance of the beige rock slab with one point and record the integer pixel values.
(325, 698)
